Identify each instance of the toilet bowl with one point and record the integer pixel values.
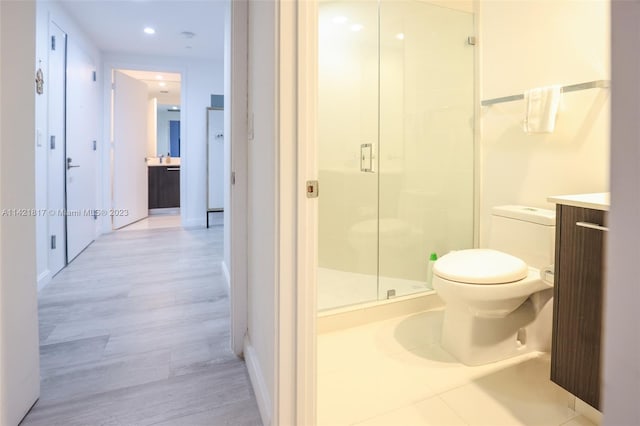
(495, 302)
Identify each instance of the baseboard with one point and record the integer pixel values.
(257, 381)
(44, 279)
(227, 277)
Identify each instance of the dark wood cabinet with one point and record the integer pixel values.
(577, 305)
(164, 187)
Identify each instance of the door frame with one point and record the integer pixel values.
(299, 35)
(105, 160)
(295, 336)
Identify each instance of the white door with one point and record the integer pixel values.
(215, 165)
(81, 151)
(56, 143)
(130, 179)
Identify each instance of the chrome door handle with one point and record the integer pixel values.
(69, 165)
(592, 226)
(173, 169)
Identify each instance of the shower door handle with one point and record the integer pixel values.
(366, 157)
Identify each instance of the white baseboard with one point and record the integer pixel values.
(227, 277)
(44, 279)
(257, 381)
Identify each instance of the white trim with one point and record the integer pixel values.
(286, 125)
(225, 272)
(44, 279)
(236, 104)
(257, 380)
(307, 227)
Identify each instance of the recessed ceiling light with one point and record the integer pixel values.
(149, 30)
(159, 77)
(340, 20)
(162, 84)
(400, 36)
(356, 27)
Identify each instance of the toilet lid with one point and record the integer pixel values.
(480, 266)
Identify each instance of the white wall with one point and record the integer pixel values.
(201, 78)
(262, 199)
(19, 359)
(621, 377)
(152, 127)
(527, 44)
(50, 11)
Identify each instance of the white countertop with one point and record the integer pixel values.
(598, 200)
(155, 161)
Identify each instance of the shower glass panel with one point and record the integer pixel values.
(426, 151)
(395, 113)
(348, 131)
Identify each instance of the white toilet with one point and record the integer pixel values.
(498, 299)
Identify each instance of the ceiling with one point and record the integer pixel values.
(164, 86)
(117, 26)
(183, 28)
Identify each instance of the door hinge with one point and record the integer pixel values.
(471, 40)
(233, 178)
(95, 76)
(312, 189)
(95, 145)
(53, 242)
(53, 42)
(52, 142)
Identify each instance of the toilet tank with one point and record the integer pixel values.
(526, 232)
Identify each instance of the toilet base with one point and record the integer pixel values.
(475, 340)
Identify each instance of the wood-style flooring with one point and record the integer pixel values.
(135, 331)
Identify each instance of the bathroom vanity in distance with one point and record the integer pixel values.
(164, 185)
(581, 230)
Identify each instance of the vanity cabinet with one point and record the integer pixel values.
(164, 187)
(577, 306)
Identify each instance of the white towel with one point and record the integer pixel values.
(541, 108)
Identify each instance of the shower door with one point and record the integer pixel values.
(348, 130)
(426, 173)
(395, 112)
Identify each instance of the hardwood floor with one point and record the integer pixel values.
(135, 331)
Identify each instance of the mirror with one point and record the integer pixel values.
(215, 159)
(168, 130)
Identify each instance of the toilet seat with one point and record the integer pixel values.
(480, 267)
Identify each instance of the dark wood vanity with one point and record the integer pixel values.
(578, 299)
(164, 186)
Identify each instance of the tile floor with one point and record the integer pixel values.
(394, 373)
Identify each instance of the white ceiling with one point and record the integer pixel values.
(164, 86)
(117, 26)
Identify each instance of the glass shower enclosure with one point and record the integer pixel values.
(396, 144)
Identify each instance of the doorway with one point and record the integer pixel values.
(146, 133)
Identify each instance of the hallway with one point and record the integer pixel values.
(136, 332)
